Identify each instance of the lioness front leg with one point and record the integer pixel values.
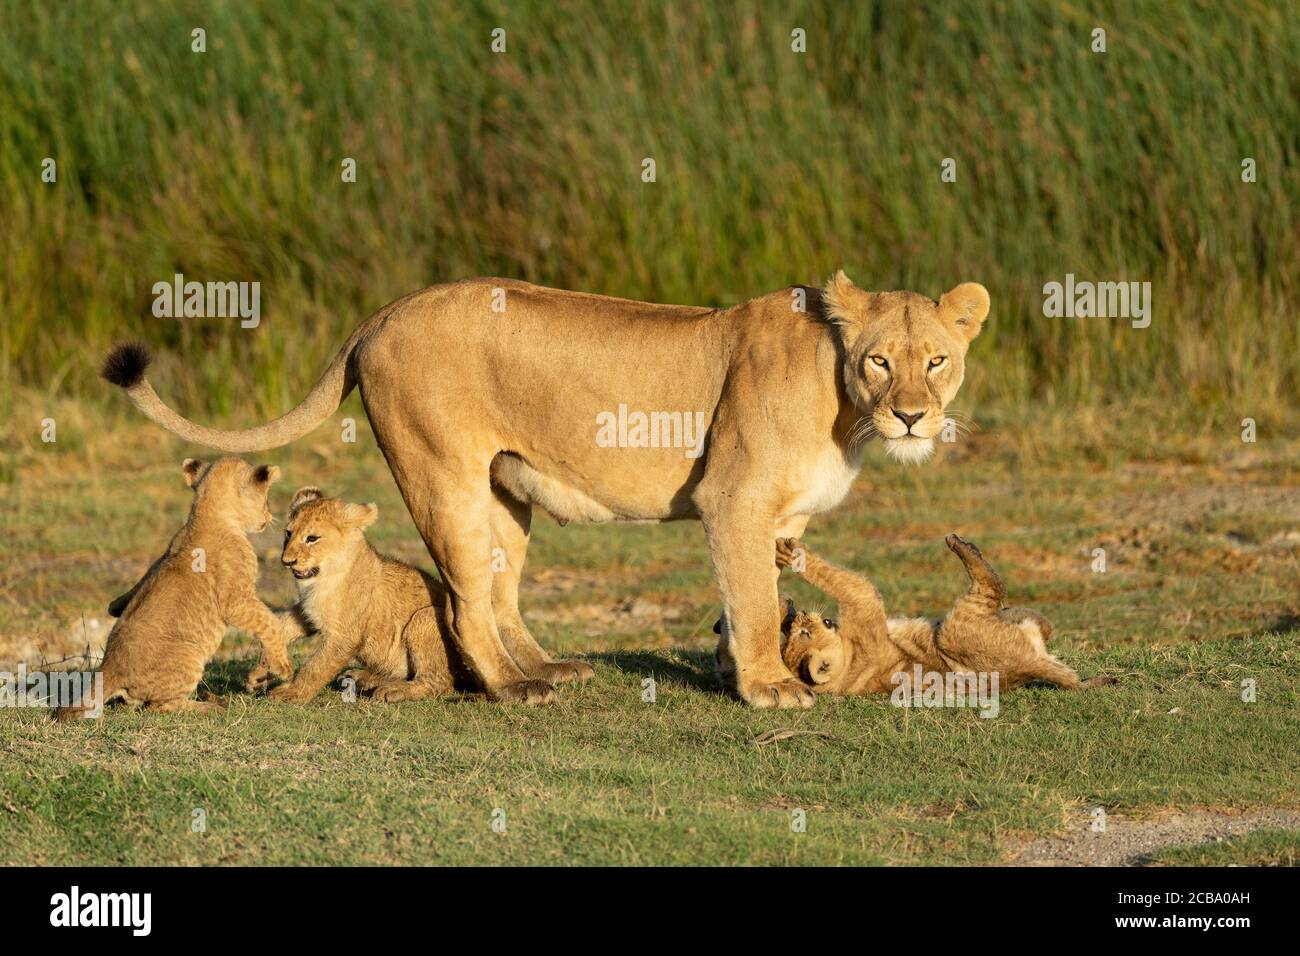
(741, 546)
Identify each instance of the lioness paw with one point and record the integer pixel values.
(557, 672)
(786, 693)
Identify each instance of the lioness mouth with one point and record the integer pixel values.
(303, 575)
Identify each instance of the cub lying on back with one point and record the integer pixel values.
(386, 614)
(172, 621)
(863, 651)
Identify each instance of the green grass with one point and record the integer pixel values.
(772, 167)
(605, 778)
(1200, 593)
(1261, 848)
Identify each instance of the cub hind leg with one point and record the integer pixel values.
(429, 664)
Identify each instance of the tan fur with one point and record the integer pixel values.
(386, 614)
(172, 621)
(788, 396)
(863, 651)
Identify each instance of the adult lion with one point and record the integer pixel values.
(490, 396)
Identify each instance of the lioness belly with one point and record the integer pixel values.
(564, 502)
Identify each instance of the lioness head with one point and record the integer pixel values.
(811, 646)
(904, 357)
(233, 488)
(323, 534)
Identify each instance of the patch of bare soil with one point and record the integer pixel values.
(1126, 842)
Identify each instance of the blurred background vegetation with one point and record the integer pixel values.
(772, 168)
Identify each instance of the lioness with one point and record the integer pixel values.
(789, 386)
(172, 621)
(861, 653)
(385, 613)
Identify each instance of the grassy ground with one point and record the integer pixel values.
(1200, 592)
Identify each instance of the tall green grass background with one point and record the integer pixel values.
(773, 167)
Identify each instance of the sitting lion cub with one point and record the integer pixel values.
(862, 653)
(172, 621)
(386, 614)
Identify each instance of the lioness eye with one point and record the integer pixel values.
(880, 360)
(827, 622)
(287, 533)
(313, 538)
(938, 360)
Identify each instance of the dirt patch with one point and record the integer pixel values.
(1132, 842)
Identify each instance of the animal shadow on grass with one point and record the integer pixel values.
(225, 677)
(692, 668)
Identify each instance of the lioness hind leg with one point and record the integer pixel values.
(511, 521)
(451, 507)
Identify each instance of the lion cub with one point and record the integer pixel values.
(386, 614)
(172, 621)
(862, 653)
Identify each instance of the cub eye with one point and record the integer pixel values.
(938, 360)
(313, 538)
(880, 361)
(828, 623)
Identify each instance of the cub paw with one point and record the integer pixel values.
(364, 680)
(788, 551)
(288, 694)
(531, 693)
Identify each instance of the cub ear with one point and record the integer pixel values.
(304, 495)
(190, 469)
(965, 307)
(363, 516)
(266, 474)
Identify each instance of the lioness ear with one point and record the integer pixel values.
(266, 474)
(363, 516)
(965, 307)
(304, 495)
(844, 302)
(190, 469)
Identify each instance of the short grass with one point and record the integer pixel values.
(1199, 594)
(1262, 848)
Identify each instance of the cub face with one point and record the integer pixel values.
(323, 534)
(904, 357)
(811, 646)
(234, 487)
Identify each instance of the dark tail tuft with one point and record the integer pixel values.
(126, 364)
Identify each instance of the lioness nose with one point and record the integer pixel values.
(908, 418)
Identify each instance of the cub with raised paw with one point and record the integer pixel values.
(862, 651)
(172, 621)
